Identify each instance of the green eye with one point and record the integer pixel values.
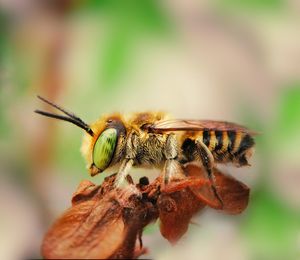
(104, 148)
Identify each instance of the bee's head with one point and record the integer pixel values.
(103, 149)
(102, 140)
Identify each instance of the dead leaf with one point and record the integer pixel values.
(175, 213)
(233, 193)
(106, 222)
(100, 224)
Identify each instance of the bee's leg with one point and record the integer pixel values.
(173, 175)
(123, 172)
(123, 182)
(205, 156)
(172, 169)
(126, 165)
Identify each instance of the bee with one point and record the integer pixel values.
(153, 139)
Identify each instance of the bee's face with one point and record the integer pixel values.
(99, 150)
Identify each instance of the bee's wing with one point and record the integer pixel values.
(197, 125)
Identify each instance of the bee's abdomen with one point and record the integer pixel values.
(218, 141)
(225, 146)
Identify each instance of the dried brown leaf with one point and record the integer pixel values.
(102, 223)
(105, 222)
(233, 193)
(175, 213)
(90, 229)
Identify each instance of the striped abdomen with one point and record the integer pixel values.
(225, 146)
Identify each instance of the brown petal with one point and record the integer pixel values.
(233, 193)
(90, 229)
(205, 192)
(86, 190)
(102, 223)
(175, 212)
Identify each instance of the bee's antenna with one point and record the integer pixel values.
(61, 109)
(69, 118)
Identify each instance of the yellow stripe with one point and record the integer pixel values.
(237, 142)
(212, 141)
(200, 136)
(225, 141)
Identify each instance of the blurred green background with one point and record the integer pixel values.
(226, 60)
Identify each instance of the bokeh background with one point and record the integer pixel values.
(235, 60)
